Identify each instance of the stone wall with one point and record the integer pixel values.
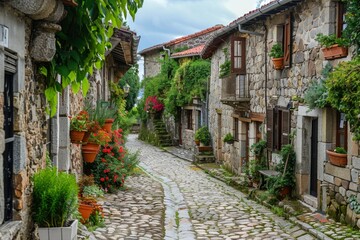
(152, 64)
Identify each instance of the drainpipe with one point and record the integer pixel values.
(167, 50)
(266, 81)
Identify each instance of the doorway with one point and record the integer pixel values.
(314, 158)
(9, 142)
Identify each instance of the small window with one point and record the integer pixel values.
(341, 130)
(236, 129)
(341, 23)
(278, 128)
(189, 119)
(199, 123)
(238, 57)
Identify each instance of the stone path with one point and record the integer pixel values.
(200, 207)
(136, 213)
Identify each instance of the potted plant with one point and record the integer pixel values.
(54, 202)
(91, 149)
(333, 47)
(277, 55)
(338, 156)
(87, 202)
(229, 138)
(78, 126)
(203, 135)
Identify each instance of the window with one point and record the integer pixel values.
(287, 42)
(236, 129)
(189, 119)
(238, 57)
(258, 131)
(198, 119)
(341, 24)
(341, 130)
(278, 128)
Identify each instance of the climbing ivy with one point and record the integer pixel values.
(82, 43)
(190, 81)
(352, 16)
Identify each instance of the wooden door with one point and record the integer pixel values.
(314, 158)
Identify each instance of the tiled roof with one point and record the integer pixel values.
(264, 11)
(189, 52)
(182, 39)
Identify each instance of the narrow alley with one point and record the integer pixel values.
(196, 205)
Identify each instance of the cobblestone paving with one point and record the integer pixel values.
(199, 207)
(136, 213)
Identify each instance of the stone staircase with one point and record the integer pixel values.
(163, 136)
(204, 155)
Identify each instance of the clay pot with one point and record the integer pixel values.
(90, 151)
(278, 63)
(337, 159)
(76, 136)
(85, 210)
(108, 124)
(334, 51)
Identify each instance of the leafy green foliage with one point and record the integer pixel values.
(343, 86)
(329, 40)
(82, 43)
(54, 197)
(316, 94)
(352, 31)
(276, 51)
(226, 66)
(131, 77)
(259, 163)
(287, 176)
(190, 81)
(228, 137)
(203, 135)
(340, 150)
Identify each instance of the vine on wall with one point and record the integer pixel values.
(82, 43)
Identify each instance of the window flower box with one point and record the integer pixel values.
(335, 51)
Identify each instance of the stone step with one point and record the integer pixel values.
(204, 158)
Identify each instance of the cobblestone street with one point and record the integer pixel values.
(196, 205)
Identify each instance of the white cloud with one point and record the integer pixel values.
(160, 21)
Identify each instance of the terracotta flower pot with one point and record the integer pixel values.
(278, 63)
(76, 136)
(197, 142)
(85, 210)
(337, 159)
(108, 124)
(334, 51)
(90, 151)
(284, 191)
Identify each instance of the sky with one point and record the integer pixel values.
(160, 21)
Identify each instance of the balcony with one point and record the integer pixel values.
(235, 92)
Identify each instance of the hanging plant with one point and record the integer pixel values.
(82, 43)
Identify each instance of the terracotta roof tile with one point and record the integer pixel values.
(189, 52)
(182, 39)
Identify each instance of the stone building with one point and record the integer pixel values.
(193, 115)
(256, 101)
(27, 39)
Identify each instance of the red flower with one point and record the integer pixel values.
(107, 178)
(102, 179)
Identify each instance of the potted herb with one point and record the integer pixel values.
(54, 202)
(338, 156)
(277, 55)
(78, 126)
(229, 138)
(333, 47)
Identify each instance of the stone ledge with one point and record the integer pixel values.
(9, 230)
(343, 173)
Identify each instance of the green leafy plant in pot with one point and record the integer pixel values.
(277, 55)
(229, 138)
(54, 203)
(203, 135)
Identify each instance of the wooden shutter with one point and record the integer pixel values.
(287, 42)
(340, 18)
(10, 62)
(285, 130)
(238, 58)
(270, 128)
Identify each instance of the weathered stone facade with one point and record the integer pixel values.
(270, 88)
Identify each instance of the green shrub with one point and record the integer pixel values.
(54, 197)
(228, 137)
(329, 40)
(203, 135)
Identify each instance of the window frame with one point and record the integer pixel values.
(236, 129)
(242, 69)
(278, 124)
(189, 119)
(287, 41)
(340, 13)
